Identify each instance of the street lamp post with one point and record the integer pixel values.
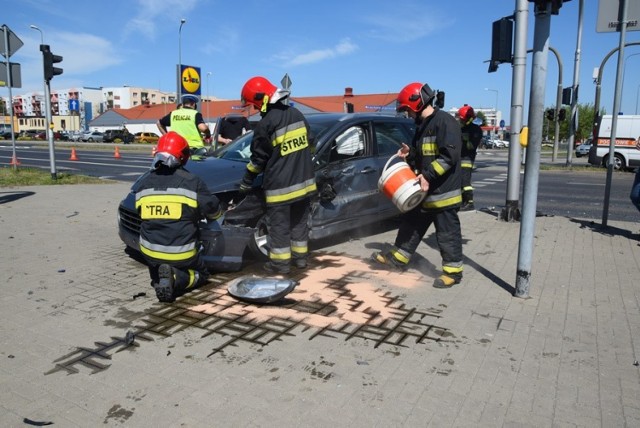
(179, 72)
(624, 71)
(495, 122)
(208, 100)
(47, 110)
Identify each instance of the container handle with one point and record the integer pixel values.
(388, 162)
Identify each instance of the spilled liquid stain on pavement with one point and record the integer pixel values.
(337, 297)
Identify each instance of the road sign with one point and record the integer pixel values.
(502, 123)
(16, 81)
(608, 12)
(14, 42)
(74, 105)
(286, 82)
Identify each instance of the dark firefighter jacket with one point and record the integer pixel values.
(171, 202)
(436, 154)
(281, 150)
(471, 137)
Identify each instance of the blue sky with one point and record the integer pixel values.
(373, 46)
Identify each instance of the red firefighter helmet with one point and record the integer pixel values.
(175, 145)
(257, 92)
(415, 96)
(466, 113)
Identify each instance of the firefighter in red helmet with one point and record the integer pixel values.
(281, 151)
(471, 137)
(435, 156)
(171, 202)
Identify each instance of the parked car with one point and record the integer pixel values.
(93, 136)
(76, 135)
(145, 137)
(31, 133)
(110, 135)
(500, 144)
(583, 149)
(351, 152)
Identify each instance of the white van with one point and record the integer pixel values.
(625, 152)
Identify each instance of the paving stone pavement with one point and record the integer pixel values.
(351, 346)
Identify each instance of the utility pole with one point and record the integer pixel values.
(543, 10)
(573, 121)
(511, 211)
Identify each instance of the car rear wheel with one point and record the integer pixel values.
(258, 242)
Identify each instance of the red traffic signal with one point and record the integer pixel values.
(49, 59)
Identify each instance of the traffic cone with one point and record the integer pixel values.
(14, 161)
(116, 154)
(73, 157)
(154, 151)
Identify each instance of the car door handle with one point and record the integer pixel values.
(367, 170)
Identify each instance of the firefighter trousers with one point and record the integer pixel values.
(414, 226)
(467, 188)
(288, 232)
(187, 275)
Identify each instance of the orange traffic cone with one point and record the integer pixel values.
(73, 154)
(116, 154)
(14, 161)
(154, 151)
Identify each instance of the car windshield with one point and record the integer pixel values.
(240, 148)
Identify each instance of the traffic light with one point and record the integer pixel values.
(49, 60)
(562, 114)
(551, 114)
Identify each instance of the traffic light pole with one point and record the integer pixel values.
(52, 153)
(532, 163)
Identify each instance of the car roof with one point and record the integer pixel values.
(333, 117)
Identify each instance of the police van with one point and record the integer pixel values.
(626, 156)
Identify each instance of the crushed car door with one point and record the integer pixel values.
(347, 180)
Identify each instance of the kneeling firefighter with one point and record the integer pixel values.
(171, 202)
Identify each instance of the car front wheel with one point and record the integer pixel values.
(258, 242)
(618, 162)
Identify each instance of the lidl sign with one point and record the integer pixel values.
(190, 80)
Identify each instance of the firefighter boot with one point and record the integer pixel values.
(446, 281)
(387, 259)
(164, 287)
(277, 268)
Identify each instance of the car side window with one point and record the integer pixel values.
(389, 137)
(348, 144)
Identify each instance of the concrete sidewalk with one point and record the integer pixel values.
(351, 346)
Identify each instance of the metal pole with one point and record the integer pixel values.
(637, 93)
(532, 164)
(495, 122)
(598, 82)
(556, 134)
(52, 153)
(573, 117)
(616, 110)
(47, 113)
(624, 72)
(208, 100)
(9, 84)
(511, 211)
(179, 71)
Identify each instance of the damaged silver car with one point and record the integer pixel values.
(351, 150)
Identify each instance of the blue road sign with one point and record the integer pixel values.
(74, 105)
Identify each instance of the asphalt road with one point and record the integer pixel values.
(577, 193)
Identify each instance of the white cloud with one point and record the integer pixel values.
(406, 24)
(345, 47)
(150, 13)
